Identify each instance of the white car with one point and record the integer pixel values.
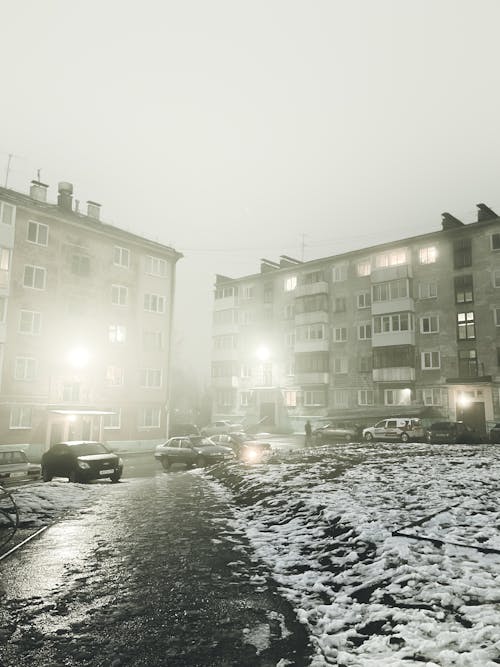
(221, 426)
(398, 429)
(14, 465)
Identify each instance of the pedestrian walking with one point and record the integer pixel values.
(308, 431)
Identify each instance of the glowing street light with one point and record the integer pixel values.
(263, 353)
(78, 357)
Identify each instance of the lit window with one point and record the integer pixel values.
(427, 255)
(121, 257)
(34, 277)
(397, 396)
(466, 326)
(156, 266)
(290, 398)
(38, 233)
(117, 333)
(112, 421)
(365, 397)
(391, 258)
(25, 369)
(30, 322)
(119, 295)
(429, 324)
(20, 417)
(290, 283)
(430, 360)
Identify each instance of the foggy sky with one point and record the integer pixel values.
(231, 129)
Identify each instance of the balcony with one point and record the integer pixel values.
(315, 317)
(225, 303)
(393, 306)
(226, 382)
(320, 287)
(395, 374)
(393, 338)
(315, 377)
(387, 273)
(321, 345)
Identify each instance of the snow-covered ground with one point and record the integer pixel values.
(324, 522)
(328, 523)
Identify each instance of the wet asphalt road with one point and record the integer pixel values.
(151, 575)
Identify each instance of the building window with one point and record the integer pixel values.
(290, 338)
(246, 371)
(117, 333)
(495, 278)
(119, 295)
(364, 331)
(312, 362)
(229, 342)
(38, 233)
(429, 324)
(365, 397)
(290, 397)
(71, 392)
(466, 326)
(430, 360)
(224, 292)
(25, 369)
(311, 304)
(339, 334)
(393, 258)
(121, 257)
(34, 277)
(151, 377)
(340, 398)
(30, 322)
(155, 266)
(20, 417)
(114, 376)
(290, 283)
(427, 290)
(392, 323)
(289, 311)
(364, 300)
(245, 398)
(394, 289)
(340, 365)
(314, 397)
(463, 289)
(363, 268)
(311, 332)
(313, 277)
(394, 356)
(112, 421)
(495, 241)
(80, 265)
(7, 213)
(432, 396)
(462, 253)
(496, 316)
(339, 273)
(154, 303)
(149, 418)
(339, 304)
(397, 396)
(467, 363)
(247, 292)
(427, 255)
(152, 340)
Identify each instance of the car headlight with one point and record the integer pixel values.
(83, 465)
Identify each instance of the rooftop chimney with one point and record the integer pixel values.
(65, 195)
(38, 191)
(485, 213)
(450, 222)
(93, 210)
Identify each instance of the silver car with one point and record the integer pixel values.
(192, 451)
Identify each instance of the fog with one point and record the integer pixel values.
(238, 130)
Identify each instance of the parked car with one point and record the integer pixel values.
(221, 426)
(398, 429)
(15, 466)
(191, 450)
(248, 448)
(495, 434)
(337, 432)
(81, 461)
(452, 432)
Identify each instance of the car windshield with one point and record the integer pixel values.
(89, 448)
(201, 442)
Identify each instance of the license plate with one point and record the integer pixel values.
(106, 472)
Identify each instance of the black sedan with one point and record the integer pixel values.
(452, 433)
(81, 461)
(192, 451)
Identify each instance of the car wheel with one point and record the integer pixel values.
(46, 476)
(404, 437)
(73, 477)
(165, 462)
(201, 462)
(368, 437)
(115, 477)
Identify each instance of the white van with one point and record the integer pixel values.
(399, 429)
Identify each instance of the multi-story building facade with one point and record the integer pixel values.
(407, 327)
(85, 324)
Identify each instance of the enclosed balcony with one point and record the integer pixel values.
(397, 374)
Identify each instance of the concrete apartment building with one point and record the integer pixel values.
(410, 327)
(85, 324)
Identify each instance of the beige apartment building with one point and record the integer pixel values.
(85, 324)
(410, 327)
